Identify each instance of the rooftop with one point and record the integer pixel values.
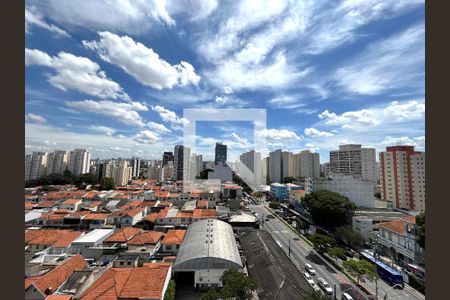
(146, 237)
(94, 235)
(174, 237)
(123, 235)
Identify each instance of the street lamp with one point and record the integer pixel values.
(385, 292)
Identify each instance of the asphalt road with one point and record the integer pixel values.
(301, 254)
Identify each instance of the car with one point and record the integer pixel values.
(346, 296)
(310, 269)
(267, 219)
(296, 238)
(308, 278)
(325, 286)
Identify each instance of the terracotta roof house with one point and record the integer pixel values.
(172, 241)
(42, 286)
(40, 239)
(145, 238)
(149, 282)
(201, 214)
(123, 235)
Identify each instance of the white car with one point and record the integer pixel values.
(308, 278)
(310, 269)
(325, 286)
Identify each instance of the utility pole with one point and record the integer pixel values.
(289, 247)
(335, 295)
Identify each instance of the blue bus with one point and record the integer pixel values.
(388, 274)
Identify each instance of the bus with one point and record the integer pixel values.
(388, 274)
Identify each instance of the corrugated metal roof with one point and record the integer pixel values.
(208, 244)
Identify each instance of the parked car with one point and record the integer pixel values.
(325, 286)
(310, 269)
(296, 238)
(346, 296)
(308, 278)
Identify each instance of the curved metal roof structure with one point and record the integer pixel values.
(208, 244)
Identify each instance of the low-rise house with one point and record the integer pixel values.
(71, 204)
(148, 282)
(172, 241)
(90, 239)
(132, 216)
(37, 240)
(123, 235)
(40, 287)
(202, 214)
(94, 220)
(126, 261)
(112, 205)
(52, 218)
(63, 244)
(145, 239)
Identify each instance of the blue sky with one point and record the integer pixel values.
(115, 78)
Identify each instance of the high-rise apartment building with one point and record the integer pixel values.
(167, 156)
(136, 166)
(252, 160)
(220, 153)
(265, 170)
(306, 164)
(79, 161)
(198, 164)
(57, 161)
(354, 160)
(402, 177)
(35, 165)
(181, 163)
(279, 165)
(121, 172)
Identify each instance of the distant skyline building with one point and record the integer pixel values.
(167, 156)
(121, 172)
(181, 163)
(402, 177)
(252, 160)
(57, 161)
(280, 163)
(198, 164)
(35, 165)
(79, 161)
(136, 166)
(306, 164)
(352, 159)
(220, 153)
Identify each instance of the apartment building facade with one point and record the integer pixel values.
(354, 160)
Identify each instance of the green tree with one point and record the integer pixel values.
(86, 179)
(299, 224)
(313, 295)
(258, 195)
(322, 242)
(349, 237)
(67, 174)
(237, 285)
(238, 180)
(377, 195)
(420, 222)
(289, 179)
(336, 252)
(360, 268)
(210, 295)
(107, 183)
(328, 208)
(170, 292)
(274, 205)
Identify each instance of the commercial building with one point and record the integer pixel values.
(220, 153)
(35, 165)
(181, 163)
(280, 163)
(360, 192)
(403, 177)
(198, 164)
(208, 250)
(252, 160)
(79, 161)
(354, 160)
(57, 161)
(167, 156)
(281, 191)
(306, 164)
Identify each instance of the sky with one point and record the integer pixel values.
(115, 76)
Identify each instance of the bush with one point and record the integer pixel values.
(170, 292)
(274, 205)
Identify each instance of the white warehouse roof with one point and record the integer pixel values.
(208, 244)
(93, 236)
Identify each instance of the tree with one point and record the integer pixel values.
(360, 268)
(289, 179)
(299, 224)
(258, 195)
(313, 295)
(237, 285)
(68, 174)
(240, 182)
(328, 208)
(322, 242)
(336, 252)
(86, 179)
(377, 195)
(349, 237)
(420, 222)
(170, 292)
(210, 295)
(107, 183)
(204, 174)
(274, 205)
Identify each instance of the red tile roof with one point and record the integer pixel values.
(184, 215)
(96, 216)
(151, 217)
(59, 297)
(66, 240)
(72, 201)
(204, 213)
(147, 203)
(129, 283)
(174, 237)
(123, 235)
(50, 236)
(399, 225)
(165, 204)
(202, 204)
(133, 212)
(29, 205)
(45, 204)
(58, 275)
(146, 237)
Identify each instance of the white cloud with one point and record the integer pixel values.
(313, 132)
(76, 73)
(126, 113)
(240, 141)
(168, 115)
(34, 18)
(394, 112)
(195, 9)
(312, 147)
(128, 16)
(221, 99)
(160, 128)
(418, 141)
(394, 63)
(105, 129)
(35, 118)
(141, 62)
(277, 134)
(228, 90)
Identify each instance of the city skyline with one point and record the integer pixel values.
(321, 84)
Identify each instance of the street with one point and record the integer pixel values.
(301, 254)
